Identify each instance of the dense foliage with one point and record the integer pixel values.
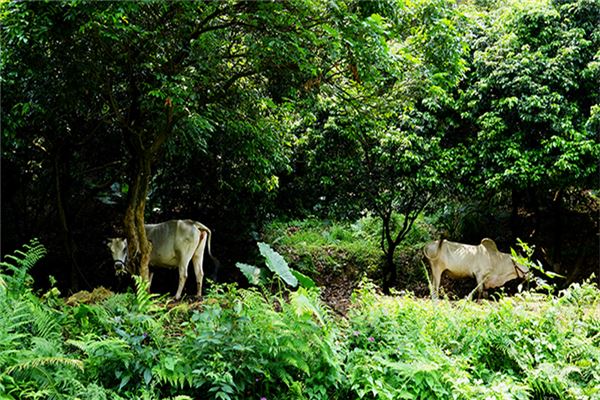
(343, 134)
(519, 348)
(251, 344)
(114, 113)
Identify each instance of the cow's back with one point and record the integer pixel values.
(170, 241)
(463, 260)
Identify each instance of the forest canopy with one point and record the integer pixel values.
(470, 119)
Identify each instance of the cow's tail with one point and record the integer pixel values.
(204, 228)
(436, 254)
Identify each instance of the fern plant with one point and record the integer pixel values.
(144, 300)
(33, 359)
(14, 274)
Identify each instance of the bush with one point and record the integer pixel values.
(246, 344)
(243, 345)
(518, 348)
(33, 357)
(316, 246)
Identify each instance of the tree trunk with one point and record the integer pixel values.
(143, 147)
(388, 245)
(139, 247)
(557, 211)
(390, 276)
(68, 242)
(514, 215)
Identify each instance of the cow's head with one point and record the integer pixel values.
(118, 250)
(521, 270)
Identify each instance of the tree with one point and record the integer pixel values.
(532, 101)
(51, 116)
(162, 72)
(375, 141)
(534, 96)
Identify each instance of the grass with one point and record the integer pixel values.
(323, 248)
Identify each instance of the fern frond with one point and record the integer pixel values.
(20, 264)
(78, 344)
(304, 306)
(44, 322)
(582, 349)
(3, 287)
(108, 345)
(143, 297)
(41, 362)
(16, 315)
(173, 373)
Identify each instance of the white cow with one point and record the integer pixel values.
(174, 244)
(490, 267)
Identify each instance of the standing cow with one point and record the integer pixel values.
(174, 244)
(490, 267)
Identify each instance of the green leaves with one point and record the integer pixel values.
(19, 265)
(530, 96)
(241, 344)
(402, 347)
(278, 266)
(252, 273)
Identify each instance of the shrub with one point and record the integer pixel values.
(243, 345)
(33, 358)
(251, 344)
(316, 246)
(514, 349)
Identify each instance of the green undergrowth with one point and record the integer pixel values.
(251, 344)
(524, 347)
(316, 247)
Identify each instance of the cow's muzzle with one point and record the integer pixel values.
(120, 267)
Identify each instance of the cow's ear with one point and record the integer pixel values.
(490, 245)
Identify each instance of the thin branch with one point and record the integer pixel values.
(101, 167)
(196, 33)
(227, 85)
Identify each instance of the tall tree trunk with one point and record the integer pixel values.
(533, 203)
(557, 211)
(139, 247)
(514, 215)
(143, 147)
(388, 246)
(67, 237)
(390, 276)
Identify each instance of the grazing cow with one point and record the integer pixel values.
(490, 267)
(174, 244)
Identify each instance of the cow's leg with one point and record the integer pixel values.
(436, 278)
(480, 285)
(184, 261)
(198, 260)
